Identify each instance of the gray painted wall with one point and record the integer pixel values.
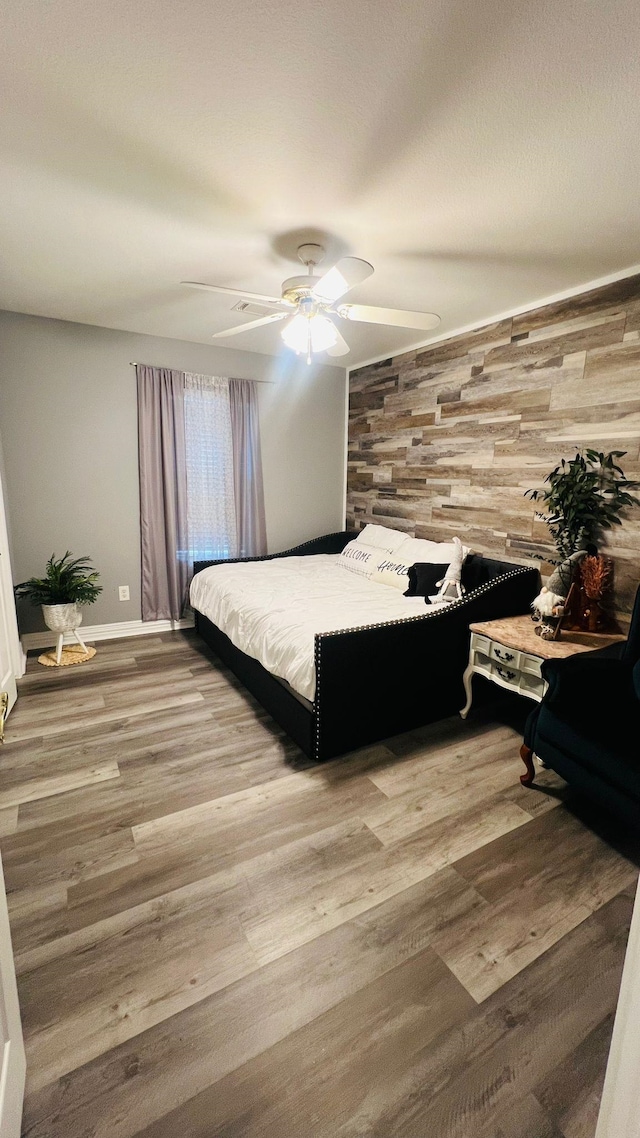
(68, 422)
(3, 483)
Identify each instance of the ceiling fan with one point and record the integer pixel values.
(308, 304)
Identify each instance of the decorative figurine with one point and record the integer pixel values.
(548, 609)
(450, 588)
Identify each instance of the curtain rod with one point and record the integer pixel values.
(134, 363)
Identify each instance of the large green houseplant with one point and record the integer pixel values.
(582, 497)
(67, 584)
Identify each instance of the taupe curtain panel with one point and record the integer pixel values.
(168, 549)
(163, 491)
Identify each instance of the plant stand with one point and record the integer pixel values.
(61, 636)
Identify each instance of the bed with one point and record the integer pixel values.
(340, 661)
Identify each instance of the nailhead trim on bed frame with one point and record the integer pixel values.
(320, 636)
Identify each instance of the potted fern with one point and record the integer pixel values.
(67, 584)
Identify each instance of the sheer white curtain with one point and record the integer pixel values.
(211, 512)
(252, 530)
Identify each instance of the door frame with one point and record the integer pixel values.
(620, 1107)
(8, 618)
(12, 1055)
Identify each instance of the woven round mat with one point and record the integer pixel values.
(71, 654)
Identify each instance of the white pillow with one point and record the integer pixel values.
(359, 558)
(394, 569)
(390, 570)
(381, 537)
(414, 549)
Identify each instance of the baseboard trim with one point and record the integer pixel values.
(31, 640)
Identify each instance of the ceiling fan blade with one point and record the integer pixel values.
(237, 292)
(346, 274)
(395, 317)
(252, 324)
(340, 348)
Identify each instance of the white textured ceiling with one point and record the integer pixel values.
(481, 153)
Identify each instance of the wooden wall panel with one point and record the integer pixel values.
(446, 439)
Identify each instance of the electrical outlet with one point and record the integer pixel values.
(123, 592)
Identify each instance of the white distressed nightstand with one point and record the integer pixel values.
(509, 653)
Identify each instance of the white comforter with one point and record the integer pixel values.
(271, 610)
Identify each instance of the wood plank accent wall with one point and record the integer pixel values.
(446, 439)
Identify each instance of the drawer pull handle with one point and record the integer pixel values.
(504, 673)
(507, 656)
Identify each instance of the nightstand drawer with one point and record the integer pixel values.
(482, 664)
(505, 672)
(508, 657)
(533, 686)
(480, 643)
(531, 664)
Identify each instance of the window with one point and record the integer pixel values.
(212, 531)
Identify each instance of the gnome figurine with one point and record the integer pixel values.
(548, 607)
(562, 576)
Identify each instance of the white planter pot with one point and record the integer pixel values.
(62, 618)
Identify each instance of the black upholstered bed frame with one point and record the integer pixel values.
(382, 679)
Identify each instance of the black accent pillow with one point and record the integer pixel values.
(476, 571)
(423, 579)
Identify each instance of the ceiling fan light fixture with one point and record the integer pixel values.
(309, 327)
(313, 333)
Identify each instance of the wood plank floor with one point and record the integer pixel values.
(215, 938)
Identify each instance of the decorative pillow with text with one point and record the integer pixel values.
(359, 558)
(394, 569)
(391, 571)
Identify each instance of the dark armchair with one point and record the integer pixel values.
(587, 727)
